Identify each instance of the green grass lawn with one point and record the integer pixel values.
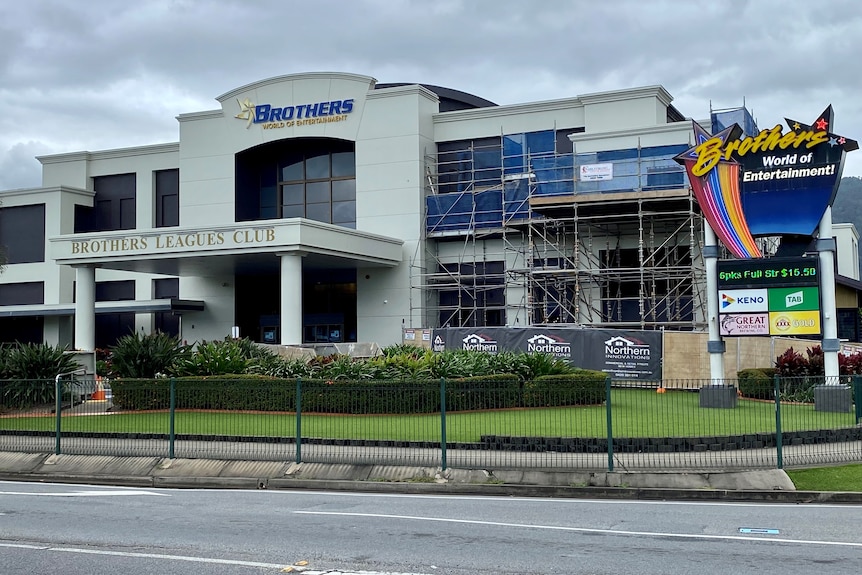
(635, 413)
(839, 478)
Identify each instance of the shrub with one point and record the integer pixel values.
(340, 366)
(850, 364)
(4, 360)
(583, 387)
(816, 362)
(533, 365)
(756, 383)
(38, 361)
(214, 358)
(143, 356)
(405, 366)
(235, 393)
(483, 392)
(369, 397)
(791, 363)
(141, 394)
(275, 366)
(28, 371)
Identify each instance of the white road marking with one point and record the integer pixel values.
(105, 493)
(193, 559)
(583, 529)
(554, 500)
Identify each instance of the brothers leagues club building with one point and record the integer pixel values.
(325, 207)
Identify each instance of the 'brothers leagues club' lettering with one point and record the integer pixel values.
(173, 241)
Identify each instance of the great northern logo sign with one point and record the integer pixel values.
(771, 184)
(271, 117)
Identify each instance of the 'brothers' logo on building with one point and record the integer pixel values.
(274, 117)
(549, 344)
(479, 342)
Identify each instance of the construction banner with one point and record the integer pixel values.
(623, 354)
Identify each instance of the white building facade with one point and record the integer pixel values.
(325, 207)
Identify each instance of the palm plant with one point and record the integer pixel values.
(144, 356)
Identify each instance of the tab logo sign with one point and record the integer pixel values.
(794, 299)
(269, 116)
(743, 301)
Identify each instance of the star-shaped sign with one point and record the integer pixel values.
(701, 136)
(246, 111)
(823, 122)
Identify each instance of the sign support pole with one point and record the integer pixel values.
(715, 345)
(833, 395)
(826, 253)
(717, 394)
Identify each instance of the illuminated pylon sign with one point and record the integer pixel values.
(772, 184)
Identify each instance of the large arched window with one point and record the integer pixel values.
(312, 178)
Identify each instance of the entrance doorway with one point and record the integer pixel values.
(328, 306)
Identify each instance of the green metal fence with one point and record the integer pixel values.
(493, 423)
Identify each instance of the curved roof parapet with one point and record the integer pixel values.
(300, 76)
(450, 99)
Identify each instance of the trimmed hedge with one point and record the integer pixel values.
(257, 393)
(584, 387)
(483, 392)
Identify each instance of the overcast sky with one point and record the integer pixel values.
(101, 74)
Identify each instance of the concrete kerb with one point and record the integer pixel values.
(761, 485)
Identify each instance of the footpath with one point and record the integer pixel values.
(771, 485)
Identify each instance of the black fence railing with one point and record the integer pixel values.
(499, 422)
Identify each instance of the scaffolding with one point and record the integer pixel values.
(513, 237)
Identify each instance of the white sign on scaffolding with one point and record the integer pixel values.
(596, 172)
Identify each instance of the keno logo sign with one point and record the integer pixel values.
(749, 300)
(549, 344)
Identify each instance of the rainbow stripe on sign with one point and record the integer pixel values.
(718, 195)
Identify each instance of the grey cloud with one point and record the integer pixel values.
(115, 73)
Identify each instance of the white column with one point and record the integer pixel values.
(291, 298)
(715, 345)
(826, 252)
(85, 308)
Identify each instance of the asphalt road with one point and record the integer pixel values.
(72, 529)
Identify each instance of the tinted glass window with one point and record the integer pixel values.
(23, 293)
(343, 190)
(114, 205)
(317, 168)
(167, 198)
(343, 164)
(316, 192)
(308, 171)
(22, 234)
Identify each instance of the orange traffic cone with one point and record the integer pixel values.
(99, 394)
